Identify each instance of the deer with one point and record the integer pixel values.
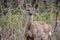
(34, 29)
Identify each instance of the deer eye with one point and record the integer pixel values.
(28, 10)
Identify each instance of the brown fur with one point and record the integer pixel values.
(36, 29)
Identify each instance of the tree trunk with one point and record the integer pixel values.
(1, 8)
(9, 7)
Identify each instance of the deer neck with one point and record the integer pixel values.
(30, 19)
(29, 22)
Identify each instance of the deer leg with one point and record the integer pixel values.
(46, 37)
(41, 39)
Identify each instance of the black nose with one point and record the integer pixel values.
(30, 13)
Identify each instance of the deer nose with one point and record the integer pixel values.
(30, 13)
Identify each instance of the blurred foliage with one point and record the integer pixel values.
(18, 17)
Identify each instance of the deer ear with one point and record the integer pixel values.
(36, 6)
(24, 5)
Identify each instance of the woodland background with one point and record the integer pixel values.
(13, 17)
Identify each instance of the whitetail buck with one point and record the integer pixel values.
(35, 29)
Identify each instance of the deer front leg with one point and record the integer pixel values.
(46, 37)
